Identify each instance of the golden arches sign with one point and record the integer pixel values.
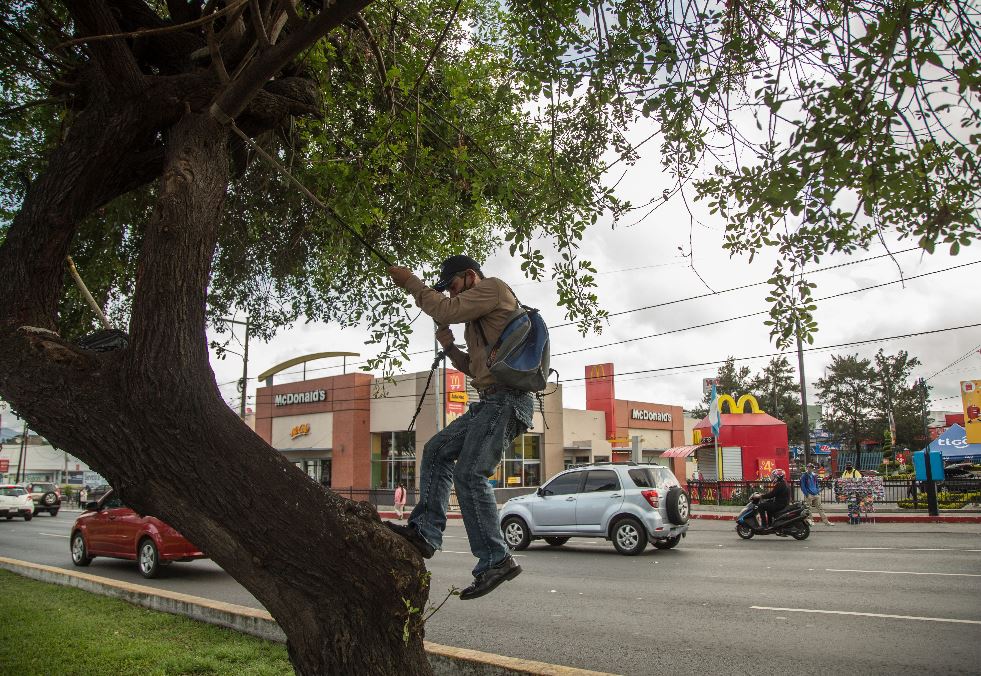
(740, 406)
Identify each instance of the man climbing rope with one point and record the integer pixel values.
(467, 452)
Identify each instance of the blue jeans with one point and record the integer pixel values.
(466, 454)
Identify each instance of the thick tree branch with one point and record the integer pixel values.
(113, 56)
(379, 58)
(236, 97)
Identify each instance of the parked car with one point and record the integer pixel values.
(627, 503)
(15, 501)
(110, 528)
(46, 497)
(97, 492)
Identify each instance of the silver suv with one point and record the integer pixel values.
(627, 503)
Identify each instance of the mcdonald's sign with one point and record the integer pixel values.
(596, 371)
(456, 392)
(739, 406)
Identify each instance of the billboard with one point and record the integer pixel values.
(971, 396)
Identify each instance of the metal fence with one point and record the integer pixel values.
(709, 492)
(385, 497)
(738, 492)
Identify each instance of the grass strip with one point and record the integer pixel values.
(49, 629)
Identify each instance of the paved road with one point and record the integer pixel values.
(870, 599)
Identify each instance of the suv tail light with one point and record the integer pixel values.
(652, 497)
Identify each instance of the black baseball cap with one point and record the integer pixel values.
(451, 267)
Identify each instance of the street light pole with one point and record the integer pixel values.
(244, 383)
(803, 399)
(931, 488)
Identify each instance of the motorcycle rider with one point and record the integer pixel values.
(777, 498)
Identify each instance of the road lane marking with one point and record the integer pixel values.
(883, 615)
(899, 572)
(910, 549)
(54, 535)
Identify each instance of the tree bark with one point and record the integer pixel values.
(150, 418)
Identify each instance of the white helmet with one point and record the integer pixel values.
(778, 474)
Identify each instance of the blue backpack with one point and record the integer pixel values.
(520, 357)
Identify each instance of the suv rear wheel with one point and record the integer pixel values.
(516, 533)
(629, 537)
(678, 506)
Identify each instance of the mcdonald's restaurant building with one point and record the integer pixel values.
(352, 431)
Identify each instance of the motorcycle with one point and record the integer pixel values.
(791, 521)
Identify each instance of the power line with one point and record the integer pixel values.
(740, 288)
(682, 300)
(967, 354)
(761, 312)
(806, 349)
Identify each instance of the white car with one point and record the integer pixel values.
(16, 501)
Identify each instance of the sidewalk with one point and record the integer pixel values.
(838, 513)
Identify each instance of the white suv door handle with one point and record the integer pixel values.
(616, 495)
(570, 499)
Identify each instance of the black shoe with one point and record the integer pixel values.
(414, 538)
(489, 580)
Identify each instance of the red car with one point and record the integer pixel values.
(109, 528)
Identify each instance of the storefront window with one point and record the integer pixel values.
(522, 464)
(393, 459)
(314, 468)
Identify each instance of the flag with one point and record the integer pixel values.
(715, 416)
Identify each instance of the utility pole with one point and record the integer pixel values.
(889, 413)
(243, 384)
(440, 418)
(931, 488)
(3, 409)
(803, 399)
(22, 458)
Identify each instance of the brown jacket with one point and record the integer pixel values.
(490, 301)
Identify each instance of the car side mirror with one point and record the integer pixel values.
(540, 491)
(92, 506)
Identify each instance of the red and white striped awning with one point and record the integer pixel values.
(682, 451)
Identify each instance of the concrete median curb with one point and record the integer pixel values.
(445, 660)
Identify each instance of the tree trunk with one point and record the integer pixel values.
(150, 418)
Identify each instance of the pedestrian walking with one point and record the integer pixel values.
(468, 450)
(399, 501)
(83, 496)
(811, 490)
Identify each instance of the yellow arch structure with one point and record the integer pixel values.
(740, 406)
(302, 360)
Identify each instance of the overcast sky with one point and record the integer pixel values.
(641, 265)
